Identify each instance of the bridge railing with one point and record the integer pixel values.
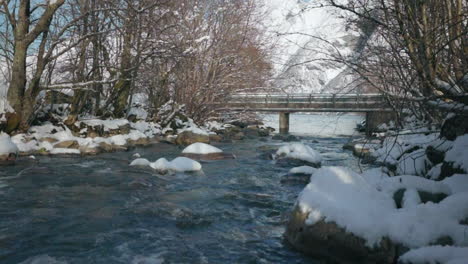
(268, 98)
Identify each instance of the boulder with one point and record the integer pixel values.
(215, 138)
(454, 126)
(49, 139)
(187, 138)
(329, 241)
(435, 156)
(90, 150)
(67, 144)
(106, 147)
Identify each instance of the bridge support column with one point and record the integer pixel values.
(375, 119)
(284, 123)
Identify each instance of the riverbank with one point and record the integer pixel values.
(410, 209)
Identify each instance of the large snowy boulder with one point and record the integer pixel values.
(188, 137)
(344, 215)
(297, 154)
(201, 148)
(336, 202)
(8, 150)
(202, 151)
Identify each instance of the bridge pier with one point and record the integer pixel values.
(283, 123)
(375, 119)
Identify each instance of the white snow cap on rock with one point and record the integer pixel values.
(339, 195)
(140, 162)
(180, 164)
(436, 254)
(6, 145)
(303, 170)
(301, 152)
(201, 148)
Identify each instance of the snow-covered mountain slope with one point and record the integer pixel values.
(306, 38)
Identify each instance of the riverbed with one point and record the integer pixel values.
(98, 209)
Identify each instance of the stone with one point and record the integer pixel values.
(87, 150)
(73, 144)
(448, 169)
(329, 241)
(106, 147)
(215, 138)
(139, 142)
(187, 138)
(454, 127)
(48, 139)
(435, 156)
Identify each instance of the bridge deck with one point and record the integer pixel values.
(307, 103)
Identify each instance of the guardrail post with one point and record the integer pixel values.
(334, 100)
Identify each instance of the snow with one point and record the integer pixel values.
(180, 164)
(340, 195)
(303, 170)
(185, 164)
(107, 124)
(301, 152)
(64, 151)
(140, 162)
(411, 198)
(201, 148)
(436, 254)
(459, 153)
(6, 145)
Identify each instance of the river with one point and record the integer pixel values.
(100, 210)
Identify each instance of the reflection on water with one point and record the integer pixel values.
(323, 125)
(100, 210)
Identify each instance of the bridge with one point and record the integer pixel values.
(375, 106)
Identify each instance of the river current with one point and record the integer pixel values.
(100, 210)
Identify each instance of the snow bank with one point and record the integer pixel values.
(303, 170)
(201, 148)
(6, 144)
(346, 198)
(436, 254)
(301, 152)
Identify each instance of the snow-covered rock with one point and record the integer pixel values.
(303, 170)
(436, 254)
(162, 165)
(8, 149)
(201, 148)
(366, 210)
(299, 151)
(140, 162)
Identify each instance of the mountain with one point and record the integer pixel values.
(306, 39)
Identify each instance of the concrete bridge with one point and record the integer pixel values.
(375, 106)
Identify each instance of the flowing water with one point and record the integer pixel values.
(100, 210)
